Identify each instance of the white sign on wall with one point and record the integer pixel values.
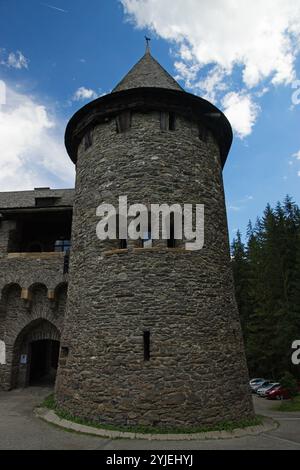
(2, 353)
(23, 359)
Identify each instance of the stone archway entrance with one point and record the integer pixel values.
(35, 355)
(43, 362)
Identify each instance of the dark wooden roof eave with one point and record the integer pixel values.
(13, 211)
(186, 104)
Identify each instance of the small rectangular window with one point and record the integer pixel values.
(123, 122)
(123, 243)
(147, 345)
(88, 140)
(64, 351)
(172, 122)
(62, 246)
(46, 201)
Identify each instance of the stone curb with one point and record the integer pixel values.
(51, 417)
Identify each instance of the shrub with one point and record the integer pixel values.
(289, 382)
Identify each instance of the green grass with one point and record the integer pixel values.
(49, 403)
(290, 405)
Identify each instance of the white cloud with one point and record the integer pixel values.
(208, 86)
(212, 84)
(185, 53)
(186, 72)
(296, 155)
(234, 208)
(241, 112)
(15, 60)
(257, 35)
(262, 92)
(31, 145)
(84, 94)
(240, 204)
(215, 40)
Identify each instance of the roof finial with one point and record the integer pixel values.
(147, 44)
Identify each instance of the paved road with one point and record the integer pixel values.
(20, 429)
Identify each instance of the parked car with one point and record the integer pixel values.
(278, 393)
(264, 383)
(254, 381)
(261, 391)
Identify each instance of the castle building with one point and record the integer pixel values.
(140, 332)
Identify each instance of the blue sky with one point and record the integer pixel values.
(55, 56)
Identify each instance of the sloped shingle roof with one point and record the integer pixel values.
(147, 72)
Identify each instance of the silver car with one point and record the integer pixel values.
(256, 383)
(266, 388)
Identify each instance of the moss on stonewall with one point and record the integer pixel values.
(50, 403)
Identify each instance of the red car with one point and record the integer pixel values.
(279, 393)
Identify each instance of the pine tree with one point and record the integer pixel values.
(239, 267)
(267, 279)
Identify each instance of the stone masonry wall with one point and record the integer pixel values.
(6, 227)
(21, 317)
(197, 373)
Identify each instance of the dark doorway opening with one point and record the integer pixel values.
(43, 362)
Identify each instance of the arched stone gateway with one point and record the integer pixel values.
(35, 354)
(25, 315)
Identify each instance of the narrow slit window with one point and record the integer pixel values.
(172, 122)
(122, 242)
(147, 345)
(88, 140)
(147, 240)
(66, 262)
(203, 134)
(123, 122)
(147, 236)
(164, 121)
(171, 242)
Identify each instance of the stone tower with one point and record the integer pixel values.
(152, 334)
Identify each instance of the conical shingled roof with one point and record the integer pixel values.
(147, 72)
